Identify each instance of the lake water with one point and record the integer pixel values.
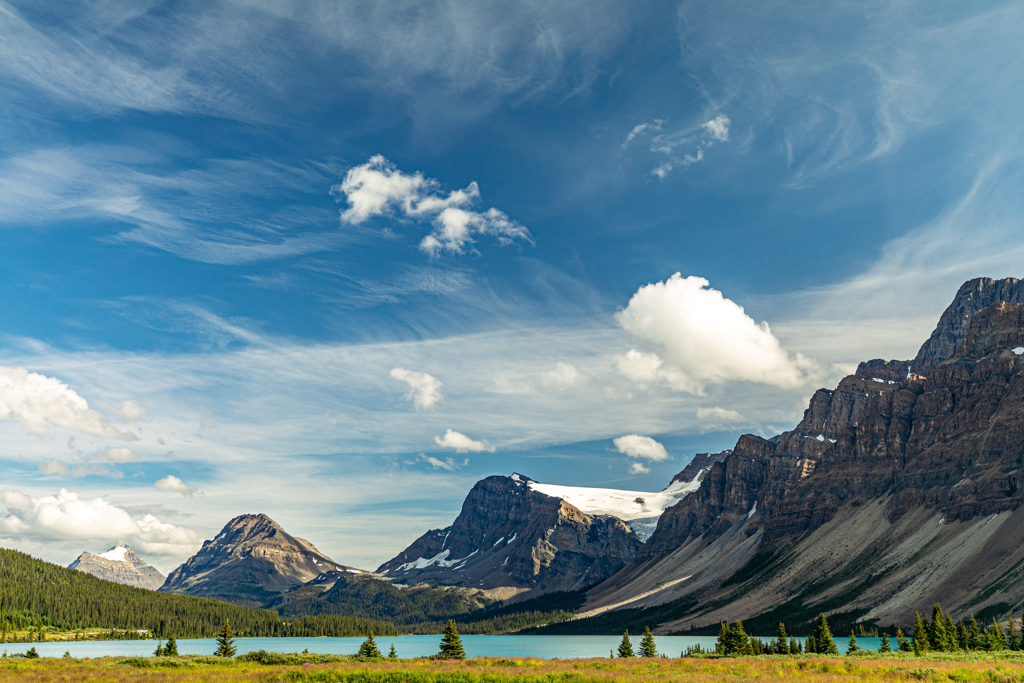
(544, 647)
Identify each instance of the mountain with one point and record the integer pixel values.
(251, 561)
(120, 565)
(900, 488)
(516, 535)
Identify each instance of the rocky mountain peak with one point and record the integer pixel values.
(120, 565)
(252, 559)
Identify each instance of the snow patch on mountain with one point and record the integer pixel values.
(115, 554)
(626, 505)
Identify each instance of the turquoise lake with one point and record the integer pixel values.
(544, 647)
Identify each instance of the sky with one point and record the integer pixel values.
(336, 262)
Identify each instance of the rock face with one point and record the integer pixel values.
(511, 536)
(120, 565)
(895, 491)
(250, 562)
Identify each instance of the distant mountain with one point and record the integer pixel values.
(120, 565)
(901, 487)
(517, 535)
(251, 561)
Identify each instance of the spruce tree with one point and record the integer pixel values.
(853, 646)
(171, 648)
(921, 644)
(885, 646)
(739, 640)
(937, 630)
(811, 647)
(973, 634)
(392, 654)
(451, 644)
(823, 637)
(159, 649)
(225, 642)
(997, 636)
(782, 641)
(369, 649)
(902, 644)
(961, 635)
(723, 639)
(647, 646)
(794, 647)
(625, 647)
(1012, 638)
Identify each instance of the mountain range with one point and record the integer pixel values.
(900, 487)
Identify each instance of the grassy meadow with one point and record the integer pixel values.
(1001, 668)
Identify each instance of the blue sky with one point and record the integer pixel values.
(336, 262)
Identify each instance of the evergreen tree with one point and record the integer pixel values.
(961, 635)
(723, 639)
(973, 634)
(225, 642)
(737, 642)
(901, 641)
(921, 644)
(885, 646)
(782, 641)
(171, 648)
(794, 647)
(392, 654)
(937, 630)
(451, 644)
(647, 646)
(853, 647)
(823, 637)
(159, 649)
(31, 653)
(997, 638)
(1012, 637)
(626, 647)
(811, 646)
(369, 649)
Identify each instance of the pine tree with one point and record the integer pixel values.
(159, 649)
(647, 646)
(782, 641)
(794, 647)
(625, 647)
(823, 637)
(225, 642)
(937, 630)
(740, 640)
(723, 639)
(369, 649)
(811, 647)
(961, 635)
(973, 634)
(902, 644)
(451, 644)
(392, 654)
(1012, 638)
(997, 636)
(921, 644)
(171, 648)
(853, 647)
(885, 646)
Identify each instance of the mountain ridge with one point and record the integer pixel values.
(121, 565)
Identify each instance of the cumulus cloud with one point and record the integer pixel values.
(52, 466)
(424, 389)
(379, 188)
(719, 415)
(563, 376)
(636, 446)
(461, 443)
(115, 455)
(718, 128)
(38, 402)
(65, 516)
(638, 468)
(172, 484)
(647, 368)
(129, 410)
(701, 337)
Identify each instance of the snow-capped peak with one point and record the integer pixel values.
(626, 505)
(115, 554)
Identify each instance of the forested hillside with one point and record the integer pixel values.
(34, 593)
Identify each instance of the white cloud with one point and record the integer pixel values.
(172, 484)
(564, 376)
(718, 128)
(130, 410)
(51, 466)
(379, 188)
(719, 415)
(94, 470)
(706, 338)
(638, 468)
(446, 464)
(65, 516)
(636, 446)
(115, 455)
(206, 422)
(647, 368)
(38, 402)
(462, 443)
(424, 389)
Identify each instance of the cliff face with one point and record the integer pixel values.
(511, 536)
(120, 565)
(250, 561)
(869, 506)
